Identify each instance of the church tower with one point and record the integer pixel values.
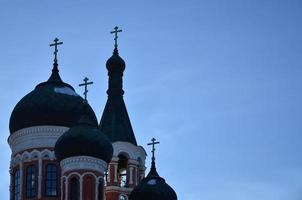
(127, 167)
(84, 152)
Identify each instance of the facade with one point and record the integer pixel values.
(61, 152)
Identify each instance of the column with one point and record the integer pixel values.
(81, 188)
(132, 165)
(97, 183)
(21, 179)
(40, 179)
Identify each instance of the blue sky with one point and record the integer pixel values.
(217, 82)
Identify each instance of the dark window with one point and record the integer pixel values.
(74, 189)
(101, 189)
(122, 170)
(30, 182)
(17, 185)
(51, 180)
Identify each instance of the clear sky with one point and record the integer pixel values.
(218, 82)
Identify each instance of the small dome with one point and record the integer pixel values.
(115, 63)
(153, 187)
(51, 103)
(84, 139)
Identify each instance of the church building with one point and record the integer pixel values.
(60, 151)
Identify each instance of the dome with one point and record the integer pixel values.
(51, 103)
(115, 63)
(153, 187)
(84, 139)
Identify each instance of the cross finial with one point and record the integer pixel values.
(153, 143)
(56, 44)
(116, 30)
(85, 84)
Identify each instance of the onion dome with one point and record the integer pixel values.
(84, 139)
(51, 103)
(115, 63)
(153, 187)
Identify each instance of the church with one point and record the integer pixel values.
(60, 151)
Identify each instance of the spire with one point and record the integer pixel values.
(115, 122)
(153, 171)
(55, 77)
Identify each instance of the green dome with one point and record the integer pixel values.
(84, 139)
(51, 103)
(115, 63)
(153, 187)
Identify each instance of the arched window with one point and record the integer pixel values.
(17, 185)
(101, 189)
(89, 187)
(74, 189)
(51, 180)
(30, 182)
(122, 170)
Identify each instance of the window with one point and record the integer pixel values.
(122, 170)
(74, 189)
(101, 189)
(89, 187)
(30, 182)
(51, 180)
(17, 185)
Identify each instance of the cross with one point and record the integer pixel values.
(85, 84)
(153, 143)
(56, 44)
(115, 35)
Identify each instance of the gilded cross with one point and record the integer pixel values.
(153, 143)
(85, 84)
(56, 44)
(116, 30)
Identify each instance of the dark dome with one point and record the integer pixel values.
(51, 103)
(115, 63)
(153, 187)
(84, 139)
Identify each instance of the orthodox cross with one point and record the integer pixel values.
(153, 143)
(115, 35)
(85, 84)
(56, 44)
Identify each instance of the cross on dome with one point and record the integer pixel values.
(153, 143)
(56, 44)
(85, 84)
(115, 32)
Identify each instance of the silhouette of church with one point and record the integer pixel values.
(61, 152)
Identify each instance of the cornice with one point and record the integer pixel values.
(83, 163)
(35, 137)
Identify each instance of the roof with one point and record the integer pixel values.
(115, 122)
(84, 139)
(52, 102)
(153, 187)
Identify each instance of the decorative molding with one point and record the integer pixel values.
(118, 189)
(83, 163)
(35, 137)
(26, 156)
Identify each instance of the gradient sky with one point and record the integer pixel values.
(218, 82)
